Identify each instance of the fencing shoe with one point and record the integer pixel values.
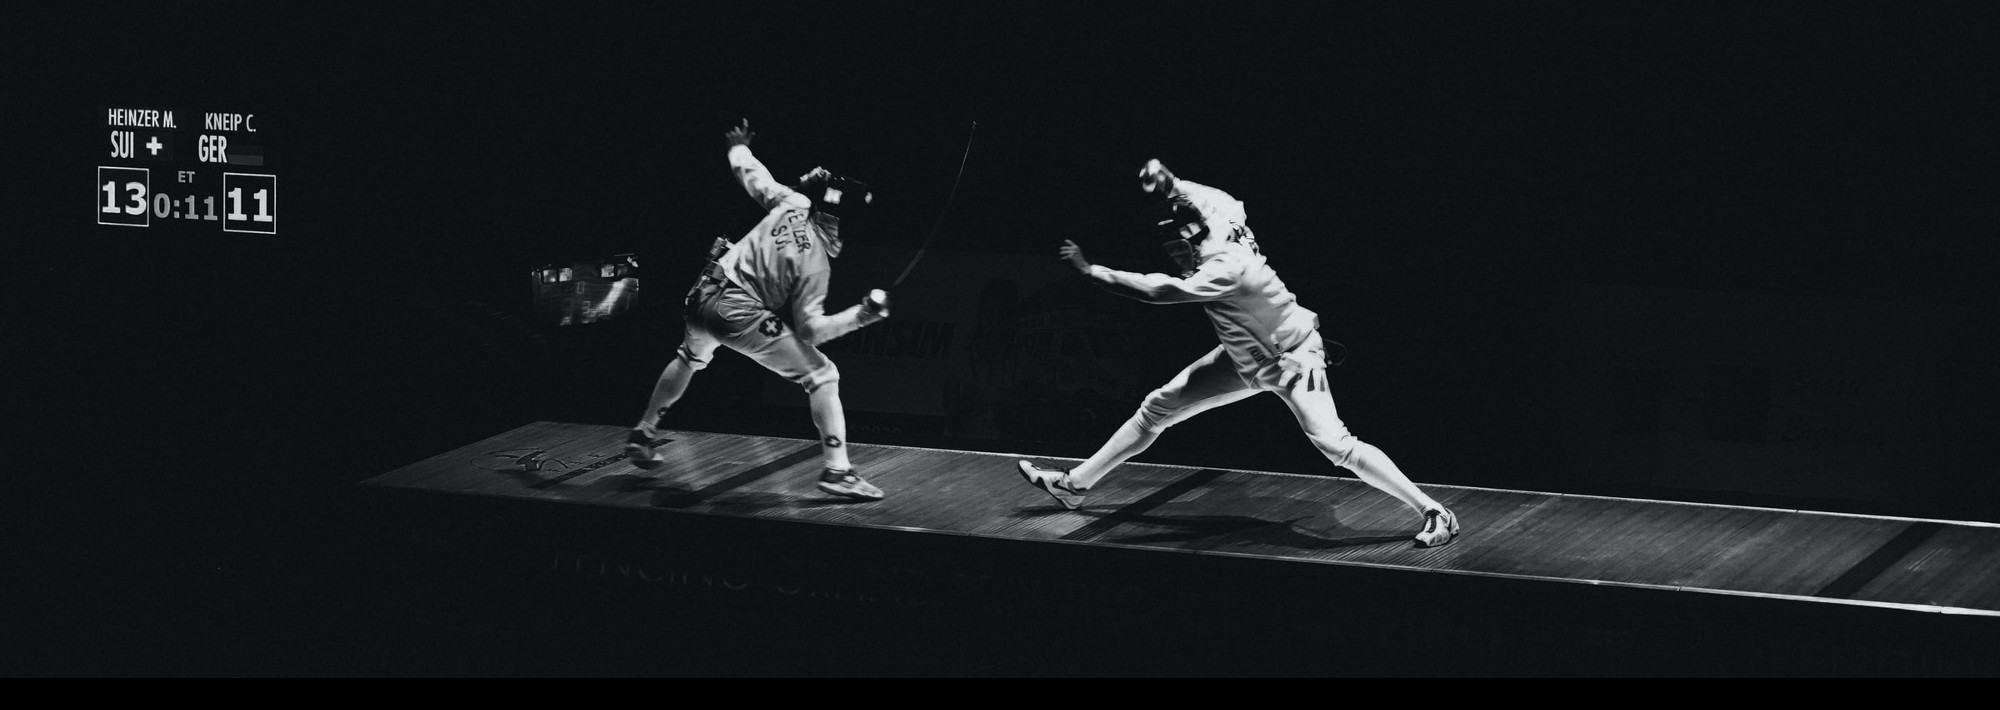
(1054, 482)
(1440, 527)
(847, 485)
(639, 445)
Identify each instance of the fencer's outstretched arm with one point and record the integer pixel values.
(1216, 279)
(755, 178)
(815, 326)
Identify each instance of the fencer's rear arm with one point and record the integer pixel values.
(757, 180)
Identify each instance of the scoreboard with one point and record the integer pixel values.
(168, 166)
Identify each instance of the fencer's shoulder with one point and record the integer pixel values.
(790, 199)
(781, 201)
(1224, 259)
(1236, 257)
(1227, 248)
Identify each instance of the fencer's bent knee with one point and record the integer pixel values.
(821, 377)
(695, 361)
(1346, 451)
(1157, 412)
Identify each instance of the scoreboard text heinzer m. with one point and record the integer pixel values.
(168, 167)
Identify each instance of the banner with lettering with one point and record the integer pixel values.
(1764, 394)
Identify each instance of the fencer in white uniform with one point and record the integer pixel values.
(764, 296)
(1269, 343)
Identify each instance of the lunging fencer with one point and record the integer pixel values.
(1270, 343)
(764, 296)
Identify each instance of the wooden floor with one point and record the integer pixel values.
(1572, 544)
(1944, 566)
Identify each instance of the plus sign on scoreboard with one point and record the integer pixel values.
(164, 166)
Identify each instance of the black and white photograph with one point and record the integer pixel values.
(1003, 340)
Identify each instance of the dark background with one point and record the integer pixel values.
(1433, 178)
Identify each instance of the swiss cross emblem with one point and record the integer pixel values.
(771, 326)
